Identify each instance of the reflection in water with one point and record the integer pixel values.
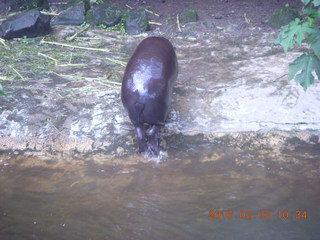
(172, 200)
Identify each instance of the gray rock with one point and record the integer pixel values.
(136, 22)
(232, 28)
(21, 5)
(283, 17)
(106, 14)
(27, 24)
(218, 16)
(188, 15)
(74, 14)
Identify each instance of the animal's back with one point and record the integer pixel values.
(148, 81)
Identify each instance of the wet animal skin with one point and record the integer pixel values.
(147, 89)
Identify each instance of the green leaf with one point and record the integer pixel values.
(314, 41)
(312, 13)
(2, 93)
(301, 69)
(294, 32)
(305, 2)
(316, 3)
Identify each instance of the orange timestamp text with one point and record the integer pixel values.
(214, 214)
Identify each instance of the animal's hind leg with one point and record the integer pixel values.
(153, 146)
(142, 143)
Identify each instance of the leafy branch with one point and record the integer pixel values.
(303, 68)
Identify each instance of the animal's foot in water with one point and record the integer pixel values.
(153, 150)
(143, 147)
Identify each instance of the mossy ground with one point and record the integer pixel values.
(36, 59)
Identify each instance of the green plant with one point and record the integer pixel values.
(296, 32)
(102, 26)
(34, 4)
(96, 1)
(119, 28)
(2, 93)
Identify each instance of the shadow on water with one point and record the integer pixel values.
(84, 198)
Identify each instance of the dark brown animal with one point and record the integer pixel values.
(147, 89)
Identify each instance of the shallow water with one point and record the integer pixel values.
(180, 198)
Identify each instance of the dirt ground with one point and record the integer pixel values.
(236, 17)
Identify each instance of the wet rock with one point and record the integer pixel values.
(188, 15)
(224, 87)
(232, 28)
(73, 14)
(209, 24)
(120, 150)
(282, 17)
(314, 139)
(136, 22)
(27, 24)
(218, 16)
(106, 14)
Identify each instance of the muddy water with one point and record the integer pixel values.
(105, 197)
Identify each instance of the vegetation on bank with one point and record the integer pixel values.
(40, 59)
(303, 68)
(23, 59)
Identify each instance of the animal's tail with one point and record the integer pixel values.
(139, 109)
